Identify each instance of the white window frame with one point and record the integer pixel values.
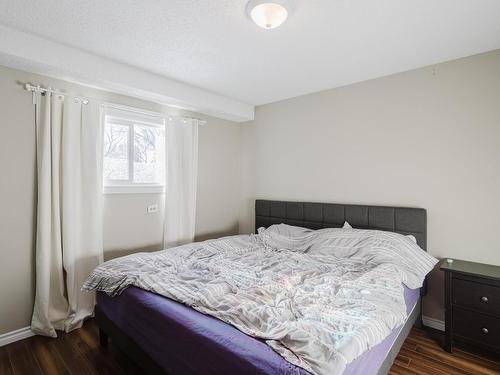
(128, 116)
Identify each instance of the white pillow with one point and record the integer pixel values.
(348, 226)
(411, 237)
(286, 230)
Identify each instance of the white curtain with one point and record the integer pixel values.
(182, 173)
(69, 213)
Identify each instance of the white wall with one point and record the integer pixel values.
(127, 226)
(426, 138)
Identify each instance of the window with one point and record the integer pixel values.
(134, 151)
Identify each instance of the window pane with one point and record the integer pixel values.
(115, 152)
(149, 154)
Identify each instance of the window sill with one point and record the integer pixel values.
(147, 189)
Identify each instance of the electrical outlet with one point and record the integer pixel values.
(152, 208)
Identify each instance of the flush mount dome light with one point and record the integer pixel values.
(268, 14)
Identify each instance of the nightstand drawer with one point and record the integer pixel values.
(480, 297)
(480, 328)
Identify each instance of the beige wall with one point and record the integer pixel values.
(426, 138)
(127, 226)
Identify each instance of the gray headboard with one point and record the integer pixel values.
(402, 220)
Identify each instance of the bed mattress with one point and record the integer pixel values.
(184, 341)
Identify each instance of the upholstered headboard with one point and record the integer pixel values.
(402, 220)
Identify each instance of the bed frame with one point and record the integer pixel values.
(402, 220)
(309, 215)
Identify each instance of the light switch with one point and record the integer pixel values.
(152, 208)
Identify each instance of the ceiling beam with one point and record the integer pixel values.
(32, 53)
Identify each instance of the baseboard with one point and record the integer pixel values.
(19, 334)
(433, 323)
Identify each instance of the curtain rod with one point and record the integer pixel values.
(141, 111)
(34, 89)
(38, 88)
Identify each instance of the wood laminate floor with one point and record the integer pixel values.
(79, 353)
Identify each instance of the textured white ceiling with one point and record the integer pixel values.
(213, 45)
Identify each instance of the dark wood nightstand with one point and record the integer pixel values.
(472, 304)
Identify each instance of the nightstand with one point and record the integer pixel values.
(472, 304)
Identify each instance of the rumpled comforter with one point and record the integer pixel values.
(318, 298)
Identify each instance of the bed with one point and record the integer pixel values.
(166, 337)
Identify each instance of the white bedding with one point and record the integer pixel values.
(318, 298)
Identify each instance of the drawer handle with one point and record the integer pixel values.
(485, 331)
(484, 299)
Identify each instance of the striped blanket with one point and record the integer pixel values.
(318, 298)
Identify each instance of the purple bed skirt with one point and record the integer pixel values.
(183, 341)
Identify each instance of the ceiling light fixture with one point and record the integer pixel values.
(268, 14)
